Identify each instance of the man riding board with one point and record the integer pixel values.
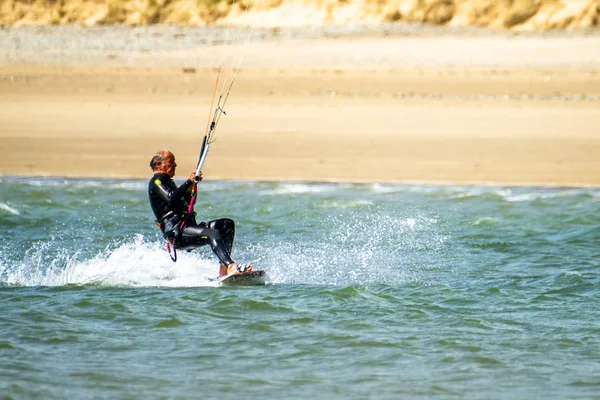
(170, 206)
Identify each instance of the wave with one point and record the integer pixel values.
(507, 194)
(516, 195)
(11, 210)
(451, 191)
(483, 221)
(583, 234)
(375, 248)
(302, 188)
(135, 264)
(76, 183)
(379, 188)
(343, 204)
(542, 195)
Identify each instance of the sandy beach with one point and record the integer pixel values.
(451, 108)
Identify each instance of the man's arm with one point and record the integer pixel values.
(167, 194)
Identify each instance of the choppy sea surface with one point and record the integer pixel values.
(374, 291)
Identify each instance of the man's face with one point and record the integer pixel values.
(169, 165)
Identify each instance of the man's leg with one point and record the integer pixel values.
(194, 236)
(226, 228)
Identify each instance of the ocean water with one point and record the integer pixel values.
(374, 291)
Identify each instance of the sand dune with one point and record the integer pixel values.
(497, 14)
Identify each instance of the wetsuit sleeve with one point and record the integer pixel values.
(188, 195)
(168, 195)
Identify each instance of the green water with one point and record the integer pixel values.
(374, 291)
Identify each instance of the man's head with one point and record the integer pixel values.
(163, 162)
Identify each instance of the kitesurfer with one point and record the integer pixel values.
(170, 206)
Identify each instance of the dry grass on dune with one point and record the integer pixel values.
(497, 14)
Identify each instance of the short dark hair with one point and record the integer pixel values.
(158, 158)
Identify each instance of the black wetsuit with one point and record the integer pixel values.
(170, 205)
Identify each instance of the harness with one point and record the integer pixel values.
(173, 229)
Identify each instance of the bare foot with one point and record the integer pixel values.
(233, 269)
(222, 270)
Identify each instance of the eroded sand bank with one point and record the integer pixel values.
(463, 108)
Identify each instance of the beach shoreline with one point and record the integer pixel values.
(471, 110)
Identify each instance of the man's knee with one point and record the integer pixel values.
(223, 224)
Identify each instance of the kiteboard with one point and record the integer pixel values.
(255, 277)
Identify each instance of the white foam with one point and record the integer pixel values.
(135, 264)
(6, 207)
(464, 192)
(83, 183)
(299, 188)
(485, 221)
(410, 222)
(379, 249)
(387, 189)
(523, 197)
(347, 204)
(384, 189)
(531, 196)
